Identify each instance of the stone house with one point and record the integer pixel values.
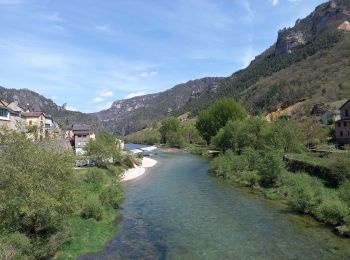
(80, 136)
(342, 126)
(10, 118)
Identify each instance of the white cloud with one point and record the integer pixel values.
(149, 74)
(71, 108)
(104, 28)
(105, 93)
(55, 17)
(137, 94)
(97, 99)
(275, 2)
(104, 107)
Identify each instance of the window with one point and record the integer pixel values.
(3, 112)
(339, 124)
(47, 126)
(346, 113)
(344, 124)
(341, 133)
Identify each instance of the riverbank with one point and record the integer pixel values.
(138, 171)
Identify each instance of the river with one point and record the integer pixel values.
(178, 211)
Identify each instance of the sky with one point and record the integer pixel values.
(89, 53)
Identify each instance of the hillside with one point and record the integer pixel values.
(133, 114)
(64, 117)
(309, 61)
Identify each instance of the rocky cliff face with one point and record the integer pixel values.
(333, 15)
(135, 113)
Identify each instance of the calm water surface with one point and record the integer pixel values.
(178, 211)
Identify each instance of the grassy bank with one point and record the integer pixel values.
(97, 197)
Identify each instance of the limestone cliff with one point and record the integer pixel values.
(333, 15)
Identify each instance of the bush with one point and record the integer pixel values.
(270, 169)
(129, 160)
(344, 193)
(340, 167)
(250, 178)
(251, 157)
(92, 208)
(305, 193)
(228, 165)
(111, 196)
(14, 246)
(333, 211)
(95, 176)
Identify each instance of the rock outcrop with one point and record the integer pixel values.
(331, 16)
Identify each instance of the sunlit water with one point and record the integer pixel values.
(178, 211)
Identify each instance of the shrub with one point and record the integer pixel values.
(340, 167)
(305, 193)
(14, 246)
(270, 169)
(251, 157)
(111, 196)
(228, 165)
(92, 208)
(95, 176)
(344, 193)
(129, 160)
(250, 178)
(332, 210)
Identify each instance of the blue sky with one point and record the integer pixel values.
(89, 53)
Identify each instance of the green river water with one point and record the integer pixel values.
(178, 211)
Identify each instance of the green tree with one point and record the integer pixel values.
(36, 189)
(103, 150)
(210, 121)
(168, 125)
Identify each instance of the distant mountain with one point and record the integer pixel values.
(133, 114)
(64, 117)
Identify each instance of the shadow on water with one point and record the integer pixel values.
(178, 211)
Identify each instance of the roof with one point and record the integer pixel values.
(32, 114)
(3, 103)
(344, 104)
(81, 128)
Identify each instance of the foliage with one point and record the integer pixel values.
(250, 178)
(344, 193)
(37, 185)
(168, 126)
(270, 169)
(103, 149)
(92, 208)
(305, 193)
(210, 121)
(146, 136)
(256, 133)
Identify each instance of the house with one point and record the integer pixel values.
(9, 118)
(342, 126)
(329, 117)
(80, 136)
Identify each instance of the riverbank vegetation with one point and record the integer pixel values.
(258, 154)
(48, 209)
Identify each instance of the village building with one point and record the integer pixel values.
(342, 126)
(9, 118)
(329, 117)
(80, 135)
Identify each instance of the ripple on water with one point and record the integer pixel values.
(178, 211)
